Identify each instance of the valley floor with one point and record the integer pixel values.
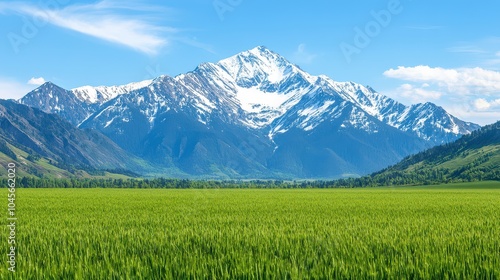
(437, 232)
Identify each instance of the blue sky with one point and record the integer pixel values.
(445, 52)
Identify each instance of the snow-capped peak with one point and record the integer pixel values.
(97, 94)
(260, 89)
(259, 66)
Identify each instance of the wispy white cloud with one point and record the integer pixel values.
(302, 55)
(495, 61)
(468, 111)
(483, 52)
(131, 25)
(195, 43)
(472, 94)
(36, 81)
(12, 89)
(467, 49)
(418, 94)
(461, 81)
(482, 104)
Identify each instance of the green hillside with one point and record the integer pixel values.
(48, 136)
(474, 157)
(28, 165)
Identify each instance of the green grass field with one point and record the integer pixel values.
(432, 232)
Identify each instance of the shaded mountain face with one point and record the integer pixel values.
(49, 136)
(255, 115)
(51, 98)
(77, 104)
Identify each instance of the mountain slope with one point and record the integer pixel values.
(77, 104)
(51, 98)
(255, 115)
(470, 158)
(48, 136)
(29, 165)
(101, 94)
(170, 127)
(342, 146)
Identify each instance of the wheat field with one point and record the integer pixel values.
(447, 232)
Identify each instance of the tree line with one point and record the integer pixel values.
(396, 178)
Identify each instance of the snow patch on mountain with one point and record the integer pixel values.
(90, 94)
(254, 100)
(258, 89)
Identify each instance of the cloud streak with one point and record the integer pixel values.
(418, 94)
(467, 49)
(464, 92)
(482, 104)
(464, 81)
(10, 88)
(484, 52)
(131, 26)
(36, 81)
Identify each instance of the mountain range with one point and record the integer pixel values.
(34, 134)
(252, 115)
